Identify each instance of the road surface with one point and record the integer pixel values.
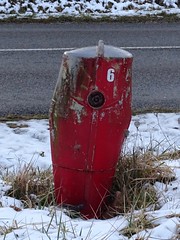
(30, 57)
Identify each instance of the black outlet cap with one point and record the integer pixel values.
(96, 99)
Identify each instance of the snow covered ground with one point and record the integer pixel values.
(94, 8)
(27, 141)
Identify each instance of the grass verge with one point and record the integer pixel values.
(162, 17)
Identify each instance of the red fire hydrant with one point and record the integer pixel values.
(89, 114)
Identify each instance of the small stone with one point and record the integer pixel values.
(137, 124)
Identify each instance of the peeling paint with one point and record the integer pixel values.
(84, 87)
(95, 88)
(77, 147)
(73, 64)
(78, 98)
(124, 61)
(115, 90)
(62, 91)
(78, 109)
(117, 111)
(121, 100)
(128, 91)
(117, 66)
(52, 134)
(94, 116)
(128, 75)
(102, 116)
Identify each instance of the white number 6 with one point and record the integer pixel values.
(110, 75)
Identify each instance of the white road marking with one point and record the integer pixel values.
(34, 49)
(68, 49)
(155, 47)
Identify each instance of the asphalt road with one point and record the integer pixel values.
(30, 57)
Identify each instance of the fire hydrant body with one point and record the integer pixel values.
(89, 114)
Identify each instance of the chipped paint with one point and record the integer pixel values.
(78, 109)
(128, 91)
(117, 112)
(121, 101)
(128, 75)
(94, 116)
(52, 133)
(84, 87)
(102, 115)
(117, 66)
(53, 115)
(77, 147)
(73, 64)
(78, 98)
(115, 89)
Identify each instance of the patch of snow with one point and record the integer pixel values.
(95, 8)
(154, 132)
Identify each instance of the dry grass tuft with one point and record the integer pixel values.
(170, 155)
(34, 187)
(138, 223)
(133, 185)
(132, 188)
